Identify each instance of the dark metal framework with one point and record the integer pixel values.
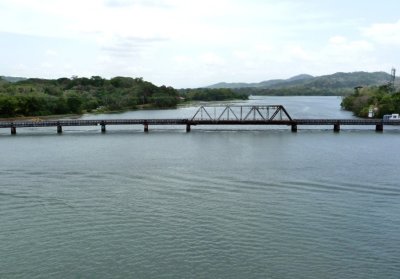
(392, 79)
(210, 115)
(242, 113)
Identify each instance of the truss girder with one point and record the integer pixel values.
(242, 113)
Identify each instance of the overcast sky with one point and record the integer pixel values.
(193, 43)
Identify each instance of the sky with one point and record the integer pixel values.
(192, 43)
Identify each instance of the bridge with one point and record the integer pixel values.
(265, 115)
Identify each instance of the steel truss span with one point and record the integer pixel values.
(242, 113)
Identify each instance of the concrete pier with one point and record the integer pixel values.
(59, 129)
(294, 128)
(146, 127)
(13, 130)
(336, 127)
(379, 127)
(103, 126)
(187, 128)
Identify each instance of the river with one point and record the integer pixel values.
(212, 203)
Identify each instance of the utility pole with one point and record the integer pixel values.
(391, 81)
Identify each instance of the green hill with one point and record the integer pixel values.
(39, 97)
(36, 97)
(335, 84)
(12, 79)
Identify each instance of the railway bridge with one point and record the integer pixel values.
(264, 115)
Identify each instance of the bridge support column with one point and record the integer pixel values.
(336, 127)
(379, 128)
(294, 128)
(59, 129)
(146, 127)
(13, 130)
(103, 128)
(187, 128)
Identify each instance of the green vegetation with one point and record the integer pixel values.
(35, 97)
(338, 84)
(208, 94)
(39, 97)
(378, 98)
(299, 90)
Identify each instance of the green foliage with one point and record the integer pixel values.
(338, 84)
(294, 91)
(34, 97)
(378, 98)
(208, 94)
(74, 102)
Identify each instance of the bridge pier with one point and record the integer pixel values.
(336, 127)
(379, 127)
(59, 129)
(146, 127)
(13, 130)
(294, 128)
(187, 128)
(103, 126)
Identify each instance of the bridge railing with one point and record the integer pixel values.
(242, 113)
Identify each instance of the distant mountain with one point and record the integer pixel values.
(12, 79)
(347, 80)
(334, 81)
(263, 84)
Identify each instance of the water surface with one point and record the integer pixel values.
(207, 204)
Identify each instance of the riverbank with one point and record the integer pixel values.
(372, 102)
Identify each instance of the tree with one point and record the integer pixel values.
(74, 103)
(8, 105)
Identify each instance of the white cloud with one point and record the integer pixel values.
(211, 59)
(384, 33)
(183, 42)
(51, 53)
(341, 46)
(337, 40)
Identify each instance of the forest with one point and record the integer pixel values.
(39, 97)
(299, 90)
(213, 94)
(380, 99)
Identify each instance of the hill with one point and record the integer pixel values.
(39, 97)
(335, 84)
(263, 84)
(12, 79)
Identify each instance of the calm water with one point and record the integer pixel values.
(205, 204)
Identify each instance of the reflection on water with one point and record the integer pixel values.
(205, 204)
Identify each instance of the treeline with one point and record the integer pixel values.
(38, 97)
(381, 99)
(35, 97)
(208, 94)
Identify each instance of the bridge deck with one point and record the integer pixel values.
(213, 115)
(79, 122)
(354, 122)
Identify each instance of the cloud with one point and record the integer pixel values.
(51, 53)
(128, 46)
(191, 41)
(129, 3)
(211, 59)
(384, 33)
(337, 40)
(339, 45)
